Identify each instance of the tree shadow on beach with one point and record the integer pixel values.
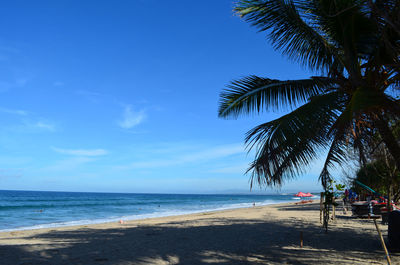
(300, 206)
(224, 242)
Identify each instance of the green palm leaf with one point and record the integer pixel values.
(290, 31)
(288, 144)
(336, 155)
(357, 44)
(256, 93)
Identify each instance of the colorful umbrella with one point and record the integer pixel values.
(302, 194)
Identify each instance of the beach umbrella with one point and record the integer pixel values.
(302, 194)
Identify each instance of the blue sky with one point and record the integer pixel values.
(122, 96)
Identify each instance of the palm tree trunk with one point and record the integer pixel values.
(396, 195)
(389, 139)
(394, 149)
(389, 180)
(389, 193)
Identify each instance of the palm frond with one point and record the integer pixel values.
(357, 44)
(289, 31)
(386, 15)
(336, 155)
(348, 27)
(254, 94)
(366, 101)
(350, 130)
(285, 146)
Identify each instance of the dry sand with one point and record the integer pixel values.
(258, 235)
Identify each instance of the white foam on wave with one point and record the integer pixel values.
(145, 216)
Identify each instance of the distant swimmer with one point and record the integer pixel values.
(254, 204)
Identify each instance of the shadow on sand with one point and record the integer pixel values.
(223, 242)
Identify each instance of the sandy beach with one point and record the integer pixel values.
(258, 235)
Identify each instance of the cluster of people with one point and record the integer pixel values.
(350, 196)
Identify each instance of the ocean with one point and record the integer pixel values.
(21, 210)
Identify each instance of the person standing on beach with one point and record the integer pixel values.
(346, 195)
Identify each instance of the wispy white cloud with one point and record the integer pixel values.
(10, 173)
(20, 82)
(45, 126)
(172, 159)
(29, 122)
(235, 169)
(58, 83)
(69, 164)
(7, 85)
(33, 126)
(92, 96)
(81, 152)
(131, 118)
(14, 111)
(88, 93)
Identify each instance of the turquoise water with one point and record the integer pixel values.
(37, 209)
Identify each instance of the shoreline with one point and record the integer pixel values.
(79, 223)
(130, 218)
(257, 235)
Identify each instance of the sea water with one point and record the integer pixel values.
(21, 210)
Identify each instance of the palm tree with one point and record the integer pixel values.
(353, 46)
